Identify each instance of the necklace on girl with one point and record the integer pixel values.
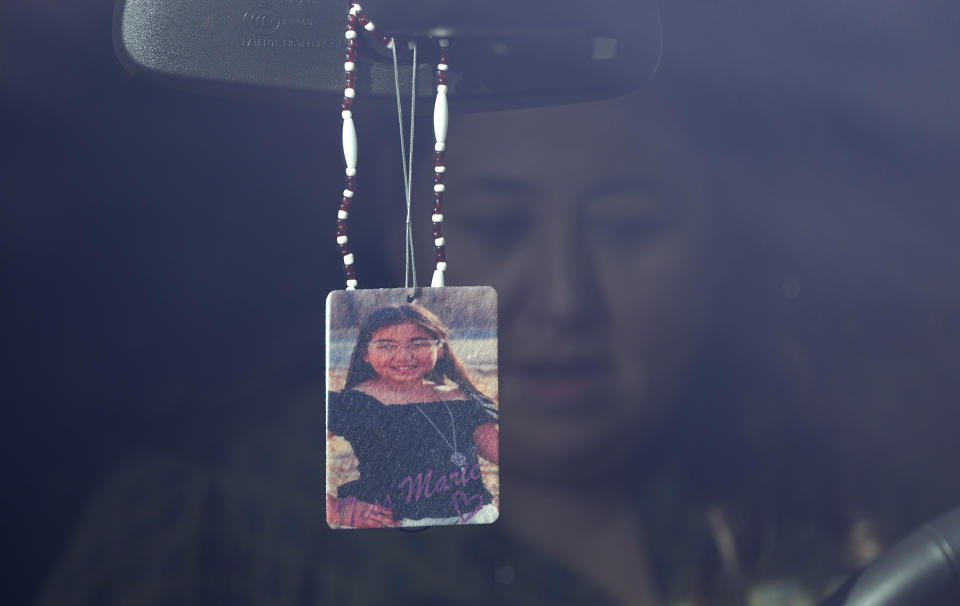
(457, 458)
(389, 462)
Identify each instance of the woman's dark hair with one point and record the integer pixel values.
(447, 367)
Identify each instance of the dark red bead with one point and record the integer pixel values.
(347, 103)
(437, 232)
(344, 250)
(364, 19)
(441, 254)
(438, 199)
(441, 77)
(438, 178)
(351, 79)
(352, 21)
(352, 43)
(345, 203)
(352, 183)
(438, 158)
(349, 272)
(351, 54)
(438, 209)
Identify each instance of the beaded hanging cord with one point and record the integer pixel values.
(440, 121)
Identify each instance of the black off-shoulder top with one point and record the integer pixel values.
(405, 460)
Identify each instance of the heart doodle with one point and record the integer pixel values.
(459, 498)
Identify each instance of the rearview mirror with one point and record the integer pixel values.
(502, 53)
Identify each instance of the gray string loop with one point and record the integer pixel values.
(406, 158)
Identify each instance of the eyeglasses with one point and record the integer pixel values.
(419, 346)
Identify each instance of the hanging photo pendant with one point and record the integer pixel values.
(412, 407)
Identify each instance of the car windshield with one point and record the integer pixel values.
(728, 304)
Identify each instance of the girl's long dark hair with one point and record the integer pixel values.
(447, 367)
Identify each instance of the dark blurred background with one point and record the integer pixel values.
(161, 251)
(165, 251)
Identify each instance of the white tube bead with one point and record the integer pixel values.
(443, 67)
(438, 218)
(349, 93)
(349, 66)
(437, 281)
(346, 114)
(351, 284)
(348, 259)
(439, 241)
(439, 146)
(442, 88)
(444, 42)
(350, 34)
(342, 214)
(439, 187)
(439, 169)
(440, 117)
(349, 143)
(341, 239)
(391, 44)
(442, 265)
(356, 8)
(347, 193)
(351, 172)
(369, 26)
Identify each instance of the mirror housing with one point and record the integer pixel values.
(503, 54)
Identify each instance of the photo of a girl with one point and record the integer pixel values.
(421, 431)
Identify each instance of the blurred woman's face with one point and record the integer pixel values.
(402, 354)
(590, 223)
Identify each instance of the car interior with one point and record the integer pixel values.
(723, 238)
